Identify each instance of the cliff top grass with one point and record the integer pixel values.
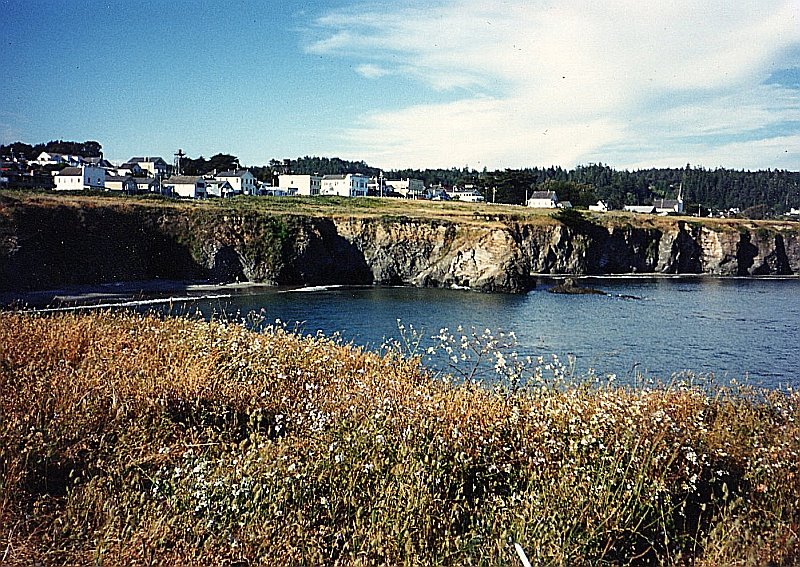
(136, 440)
(484, 214)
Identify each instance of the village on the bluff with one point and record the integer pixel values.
(152, 174)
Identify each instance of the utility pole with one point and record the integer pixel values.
(178, 155)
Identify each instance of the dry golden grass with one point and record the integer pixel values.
(478, 214)
(132, 440)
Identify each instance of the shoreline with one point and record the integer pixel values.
(131, 293)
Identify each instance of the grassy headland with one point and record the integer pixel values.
(368, 207)
(133, 440)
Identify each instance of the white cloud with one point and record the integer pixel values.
(371, 71)
(546, 81)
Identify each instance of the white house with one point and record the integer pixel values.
(600, 207)
(190, 186)
(437, 193)
(641, 209)
(241, 180)
(408, 188)
(220, 188)
(308, 185)
(348, 185)
(669, 206)
(467, 193)
(79, 178)
(147, 184)
(276, 191)
(52, 158)
(543, 200)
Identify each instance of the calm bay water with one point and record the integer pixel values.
(733, 328)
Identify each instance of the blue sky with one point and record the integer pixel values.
(437, 83)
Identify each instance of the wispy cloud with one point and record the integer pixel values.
(371, 71)
(545, 81)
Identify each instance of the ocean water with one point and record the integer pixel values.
(742, 329)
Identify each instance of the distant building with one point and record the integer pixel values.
(543, 200)
(669, 206)
(467, 193)
(641, 209)
(147, 185)
(153, 166)
(268, 191)
(241, 180)
(79, 178)
(130, 169)
(306, 185)
(600, 207)
(99, 162)
(408, 188)
(189, 186)
(52, 158)
(347, 185)
(437, 193)
(220, 188)
(123, 183)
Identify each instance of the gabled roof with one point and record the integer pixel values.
(237, 173)
(147, 159)
(98, 161)
(183, 179)
(71, 171)
(544, 195)
(218, 182)
(118, 178)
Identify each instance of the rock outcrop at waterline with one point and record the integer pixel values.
(47, 246)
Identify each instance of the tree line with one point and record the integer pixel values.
(770, 191)
(21, 150)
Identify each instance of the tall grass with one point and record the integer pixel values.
(132, 440)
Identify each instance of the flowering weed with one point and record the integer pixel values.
(139, 440)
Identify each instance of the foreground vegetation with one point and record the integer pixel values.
(134, 440)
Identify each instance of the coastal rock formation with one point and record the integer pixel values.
(45, 246)
(569, 287)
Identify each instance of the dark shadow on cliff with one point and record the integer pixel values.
(615, 250)
(319, 255)
(63, 246)
(746, 253)
(226, 266)
(775, 263)
(685, 256)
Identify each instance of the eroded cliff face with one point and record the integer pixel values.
(48, 247)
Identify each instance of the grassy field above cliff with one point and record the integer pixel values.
(370, 207)
(134, 440)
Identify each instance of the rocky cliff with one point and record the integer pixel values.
(47, 245)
